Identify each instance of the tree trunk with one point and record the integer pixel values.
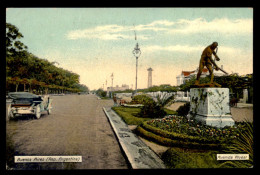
(16, 87)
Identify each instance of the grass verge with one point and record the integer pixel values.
(129, 115)
(177, 158)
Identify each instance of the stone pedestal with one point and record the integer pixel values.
(210, 106)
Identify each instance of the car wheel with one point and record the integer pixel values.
(38, 112)
(10, 113)
(49, 111)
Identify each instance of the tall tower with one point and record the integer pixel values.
(150, 77)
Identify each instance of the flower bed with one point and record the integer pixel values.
(188, 132)
(175, 142)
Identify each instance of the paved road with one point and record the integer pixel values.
(77, 126)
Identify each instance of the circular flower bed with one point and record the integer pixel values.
(182, 125)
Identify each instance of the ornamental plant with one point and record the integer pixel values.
(152, 108)
(184, 110)
(182, 125)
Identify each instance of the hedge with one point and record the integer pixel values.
(175, 143)
(178, 136)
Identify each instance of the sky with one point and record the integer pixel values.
(96, 42)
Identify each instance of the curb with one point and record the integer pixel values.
(138, 154)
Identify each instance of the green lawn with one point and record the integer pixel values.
(175, 158)
(129, 114)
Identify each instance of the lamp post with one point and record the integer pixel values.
(112, 76)
(137, 53)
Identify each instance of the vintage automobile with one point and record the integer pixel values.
(25, 103)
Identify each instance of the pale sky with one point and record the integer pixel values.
(96, 42)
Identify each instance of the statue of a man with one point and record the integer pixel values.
(206, 60)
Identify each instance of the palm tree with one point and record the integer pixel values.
(163, 99)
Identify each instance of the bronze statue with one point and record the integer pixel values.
(206, 60)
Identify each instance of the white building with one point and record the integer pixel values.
(117, 88)
(186, 75)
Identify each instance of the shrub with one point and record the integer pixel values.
(150, 108)
(103, 94)
(243, 145)
(142, 99)
(184, 110)
(179, 158)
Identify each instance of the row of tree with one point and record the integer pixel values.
(27, 72)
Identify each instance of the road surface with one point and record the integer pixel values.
(77, 126)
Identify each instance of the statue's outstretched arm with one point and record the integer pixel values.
(215, 54)
(213, 62)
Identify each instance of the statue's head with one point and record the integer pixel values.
(214, 45)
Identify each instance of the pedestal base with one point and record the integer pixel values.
(210, 106)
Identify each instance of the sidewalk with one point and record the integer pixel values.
(139, 155)
(244, 105)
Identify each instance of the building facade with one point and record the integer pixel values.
(186, 75)
(117, 88)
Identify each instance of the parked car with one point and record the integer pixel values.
(25, 103)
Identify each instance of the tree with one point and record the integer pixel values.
(82, 87)
(16, 81)
(236, 83)
(13, 45)
(25, 68)
(100, 92)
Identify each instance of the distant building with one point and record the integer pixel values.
(150, 77)
(117, 88)
(186, 75)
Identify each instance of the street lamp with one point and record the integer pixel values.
(112, 76)
(137, 53)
